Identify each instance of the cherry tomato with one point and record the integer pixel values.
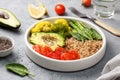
(45, 50)
(86, 3)
(60, 53)
(37, 48)
(72, 55)
(60, 9)
(54, 55)
(60, 50)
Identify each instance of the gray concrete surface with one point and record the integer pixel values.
(19, 8)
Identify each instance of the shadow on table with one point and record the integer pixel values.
(17, 31)
(117, 11)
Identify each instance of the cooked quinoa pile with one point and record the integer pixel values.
(86, 48)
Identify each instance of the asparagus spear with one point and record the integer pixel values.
(84, 31)
(76, 35)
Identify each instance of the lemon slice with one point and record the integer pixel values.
(37, 11)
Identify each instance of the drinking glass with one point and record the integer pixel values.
(104, 8)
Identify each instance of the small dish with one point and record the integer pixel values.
(6, 45)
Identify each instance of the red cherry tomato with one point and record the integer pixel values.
(59, 53)
(45, 50)
(37, 48)
(60, 50)
(60, 9)
(72, 55)
(86, 3)
(54, 55)
(42, 50)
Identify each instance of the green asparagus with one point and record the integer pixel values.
(83, 32)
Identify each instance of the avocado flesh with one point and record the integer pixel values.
(50, 39)
(11, 22)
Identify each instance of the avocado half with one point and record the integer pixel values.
(50, 39)
(8, 19)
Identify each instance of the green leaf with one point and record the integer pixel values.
(18, 69)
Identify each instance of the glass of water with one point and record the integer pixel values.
(104, 8)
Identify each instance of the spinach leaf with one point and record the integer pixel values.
(18, 69)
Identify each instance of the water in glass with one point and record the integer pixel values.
(104, 8)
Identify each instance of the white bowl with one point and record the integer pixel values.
(7, 51)
(60, 65)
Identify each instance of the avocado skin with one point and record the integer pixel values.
(5, 24)
(8, 26)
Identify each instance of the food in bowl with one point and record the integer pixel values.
(65, 39)
(6, 45)
(86, 48)
(74, 63)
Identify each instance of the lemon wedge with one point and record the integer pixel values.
(37, 11)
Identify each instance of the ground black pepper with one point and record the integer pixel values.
(5, 44)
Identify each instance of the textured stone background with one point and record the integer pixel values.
(19, 8)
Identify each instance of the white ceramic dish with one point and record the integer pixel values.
(8, 51)
(60, 65)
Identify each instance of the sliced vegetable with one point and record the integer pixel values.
(60, 50)
(59, 53)
(45, 50)
(18, 69)
(54, 55)
(37, 48)
(47, 39)
(71, 55)
(8, 19)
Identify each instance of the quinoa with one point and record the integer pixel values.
(84, 48)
